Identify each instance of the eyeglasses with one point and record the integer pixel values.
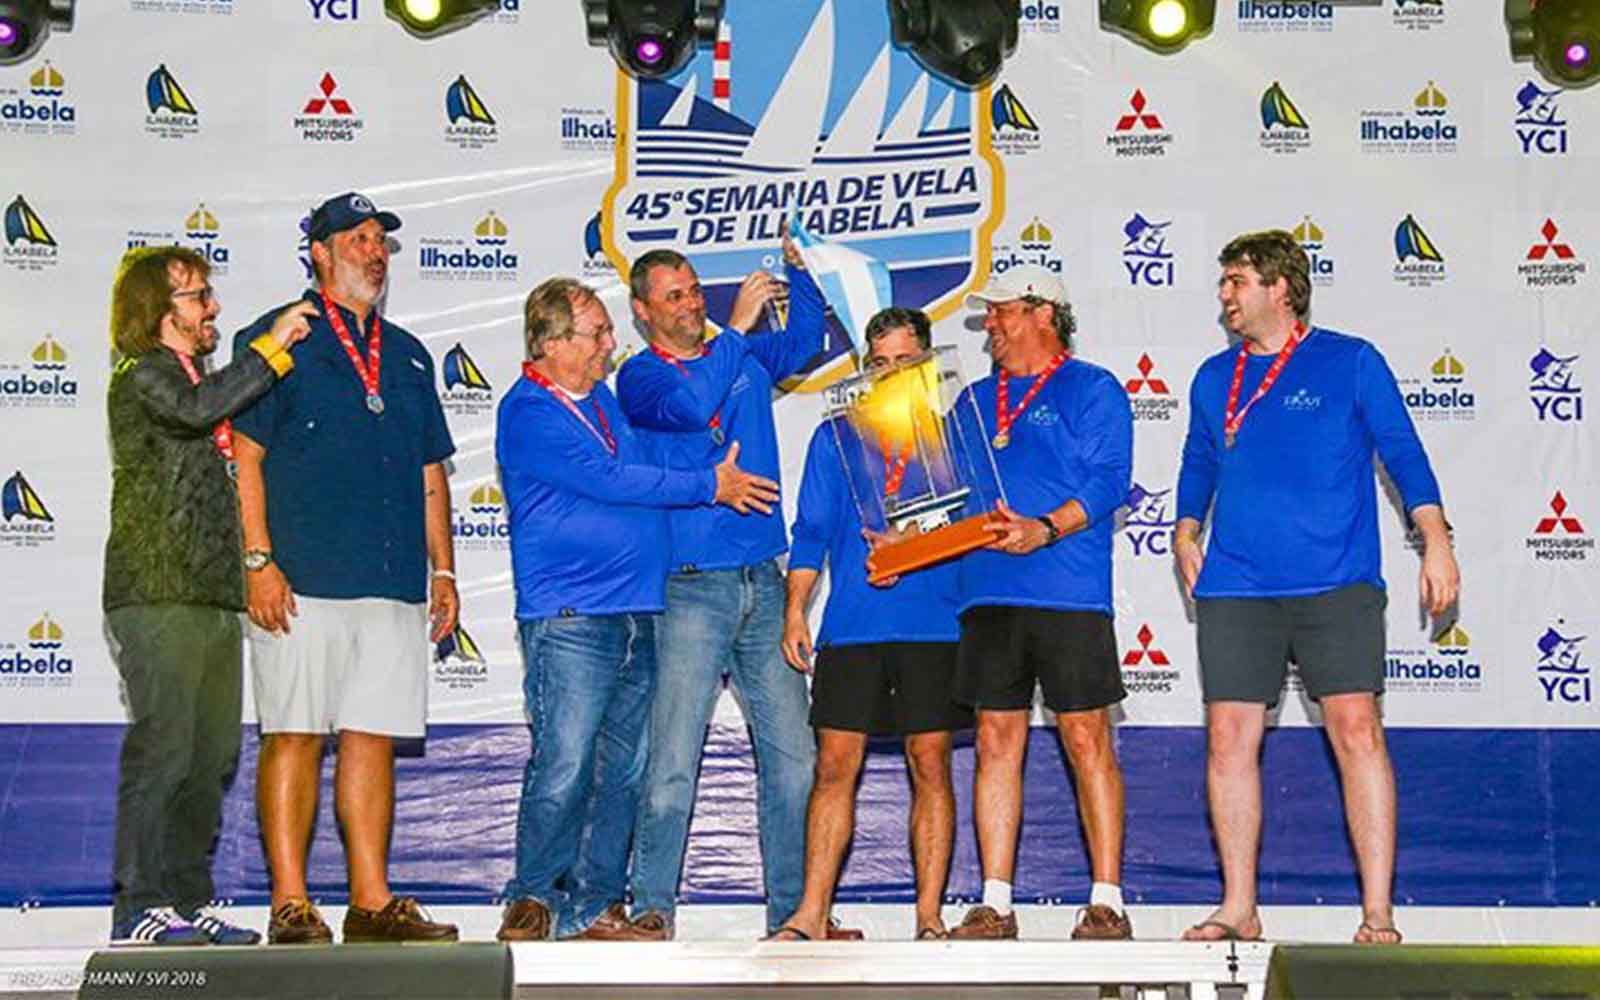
(204, 295)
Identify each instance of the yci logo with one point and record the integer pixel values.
(1145, 255)
(335, 10)
(1149, 521)
(1540, 128)
(1563, 676)
(1554, 387)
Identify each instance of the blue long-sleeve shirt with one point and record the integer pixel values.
(588, 529)
(733, 379)
(1074, 442)
(1296, 504)
(921, 607)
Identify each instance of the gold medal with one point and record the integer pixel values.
(1227, 439)
(1002, 439)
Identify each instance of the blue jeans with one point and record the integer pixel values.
(725, 622)
(587, 687)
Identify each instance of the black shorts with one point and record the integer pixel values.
(1071, 654)
(886, 688)
(1336, 639)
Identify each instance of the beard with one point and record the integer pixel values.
(356, 283)
(201, 335)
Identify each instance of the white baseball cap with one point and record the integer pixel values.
(1020, 282)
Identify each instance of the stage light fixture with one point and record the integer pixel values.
(652, 39)
(431, 18)
(25, 24)
(1161, 25)
(963, 41)
(1560, 36)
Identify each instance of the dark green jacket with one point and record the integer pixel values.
(174, 508)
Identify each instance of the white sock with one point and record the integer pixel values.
(1106, 894)
(997, 894)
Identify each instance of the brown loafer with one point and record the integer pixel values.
(1102, 923)
(298, 922)
(613, 925)
(401, 919)
(524, 920)
(654, 925)
(984, 923)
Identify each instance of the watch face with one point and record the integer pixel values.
(256, 560)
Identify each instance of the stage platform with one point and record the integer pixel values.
(1038, 966)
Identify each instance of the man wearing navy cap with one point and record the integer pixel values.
(345, 506)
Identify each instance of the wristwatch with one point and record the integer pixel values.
(257, 559)
(1050, 526)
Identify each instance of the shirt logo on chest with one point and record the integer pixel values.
(1042, 415)
(1301, 401)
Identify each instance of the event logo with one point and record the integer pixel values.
(201, 233)
(1562, 674)
(466, 392)
(43, 659)
(1559, 535)
(1145, 254)
(1146, 669)
(813, 128)
(1015, 131)
(1035, 246)
(1425, 128)
(1554, 387)
(482, 257)
(43, 381)
(327, 116)
(1288, 15)
(1044, 18)
(468, 123)
(42, 109)
(1418, 15)
(29, 245)
(595, 266)
(1551, 262)
(1283, 128)
(25, 522)
(171, 114)
(1541, 130)
(1302, 401)
(458, 664)
(303, 247)
(1314, 242)
(335, 10)
(1448, 666)
(1149, 521)
(1149, 394)
(588, 130)
(1443, 394)
(482, 525)
(1418, 262)
(1139, 130)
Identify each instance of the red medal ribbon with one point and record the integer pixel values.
(1232, 416)
(894, 468)
(368, 370)
(222, 434)
(603, 433)
(1004, 417)
(672, 359)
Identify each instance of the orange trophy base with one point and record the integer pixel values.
(916, 551)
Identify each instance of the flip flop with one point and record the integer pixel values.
(799, 935)
(932, 934)
(1378, 933)
(1229, 932)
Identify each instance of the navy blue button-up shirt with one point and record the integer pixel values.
(344, 485)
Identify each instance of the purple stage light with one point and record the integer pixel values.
(8, 32)
(1577, 54)
(649, 51)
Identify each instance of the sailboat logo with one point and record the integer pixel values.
(1447, 369)
(487, 499)
(802, 109)
(49, 355)
(490, 231)
(1008, 111)
(462, 102)
(461, 370)
(23, 224)
(1411, 243)
(1278, 111)
(457, 645)
(17, 499)
(47, 81)
(163, 93)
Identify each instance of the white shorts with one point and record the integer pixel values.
(357, 664)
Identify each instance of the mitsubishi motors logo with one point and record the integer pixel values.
(1155, 673)
(1139, 131)
(1149, 394)
(1146, 382)
(1551, 263)
(1148, 120)
(328, 117)
(1559, 537)
(339, 105)
(1134, 657)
